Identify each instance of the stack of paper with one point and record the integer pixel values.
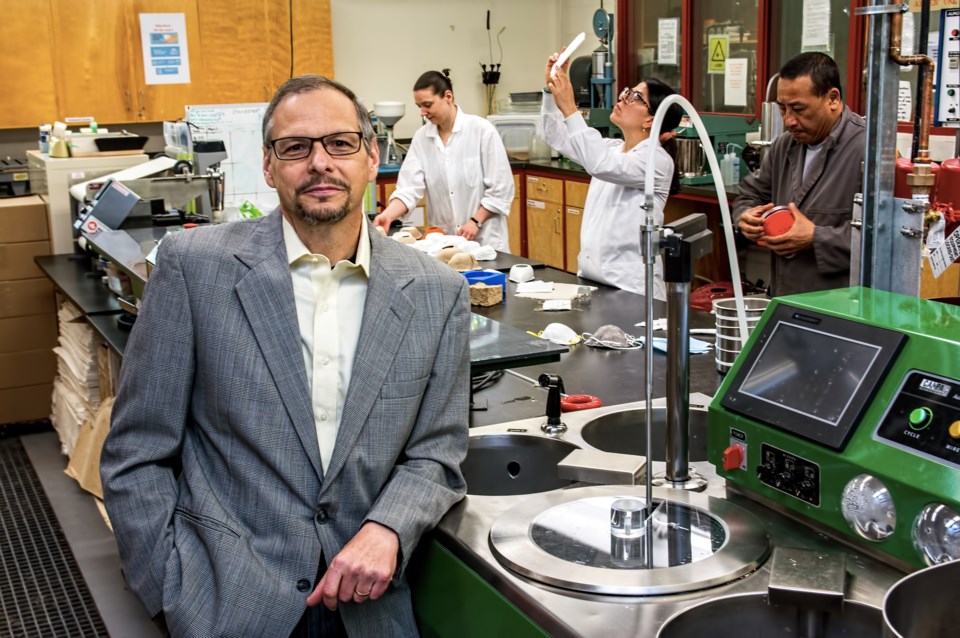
(76, 389)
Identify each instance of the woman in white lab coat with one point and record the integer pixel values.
(610, 231)
(460, 160)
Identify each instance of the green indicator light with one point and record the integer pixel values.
(920, 418)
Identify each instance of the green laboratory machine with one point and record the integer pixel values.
(844, 410)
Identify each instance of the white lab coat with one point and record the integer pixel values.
(610, 231)
(472, 170)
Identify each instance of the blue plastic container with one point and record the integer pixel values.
(488, 277)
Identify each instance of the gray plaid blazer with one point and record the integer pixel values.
(211, 471)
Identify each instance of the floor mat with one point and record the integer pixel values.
(42, 592)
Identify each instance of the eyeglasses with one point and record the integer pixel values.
(335, 144)
(629, 96)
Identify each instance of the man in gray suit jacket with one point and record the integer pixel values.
(292, 409)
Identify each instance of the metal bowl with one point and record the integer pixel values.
(503, 464)
(625, 432)
(751, 616)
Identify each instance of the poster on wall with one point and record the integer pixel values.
(719, 47)
(815, 35)
(668, 30)
(735, 82)
(163, 37)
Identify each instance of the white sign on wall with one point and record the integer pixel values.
(163, 37)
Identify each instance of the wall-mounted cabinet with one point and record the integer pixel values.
(99, 63)
(28, 97)
(84, 57)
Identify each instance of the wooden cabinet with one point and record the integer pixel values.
(515, 219)
(84, 57)
(98, 61)
(28, 97)
(385, 188)
(545, 220)
(228, 28)
(576, 197)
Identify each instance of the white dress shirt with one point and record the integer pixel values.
(330, 303)
(610, 232)
(470, 171)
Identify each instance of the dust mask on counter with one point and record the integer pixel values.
(559, 334)
(613, 337)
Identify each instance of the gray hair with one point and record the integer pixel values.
(307, 83)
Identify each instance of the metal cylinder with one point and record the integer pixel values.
(678, 382)
(690, 157)
(599, 60)
(771, 122)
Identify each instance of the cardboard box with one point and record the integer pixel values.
(33, 332)
(25, 404)
(23, 219)
(24, 369)
(27, 297)
(16, 260)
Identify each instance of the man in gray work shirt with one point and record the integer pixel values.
(815, 168)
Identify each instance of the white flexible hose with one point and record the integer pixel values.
(718, 184)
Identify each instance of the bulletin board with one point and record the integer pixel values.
(239, 126)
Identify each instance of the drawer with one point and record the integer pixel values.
(576, 193)
(545, 189)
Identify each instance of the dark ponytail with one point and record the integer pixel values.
(439, 82)
(657, 92)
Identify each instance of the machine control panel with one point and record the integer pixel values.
(790, 474)
(924, 418)
(948, 70)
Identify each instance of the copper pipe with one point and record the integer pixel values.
(926, 93)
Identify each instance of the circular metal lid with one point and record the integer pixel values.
(572, 539)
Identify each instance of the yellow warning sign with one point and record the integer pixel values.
(719, 47)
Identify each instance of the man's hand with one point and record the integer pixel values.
(362, 570)
(751, 222)
(798, 238)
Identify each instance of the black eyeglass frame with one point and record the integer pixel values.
(627, 93)
(333, 152)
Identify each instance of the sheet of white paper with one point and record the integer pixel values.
(735, 82)
(816, 26)
(557, 304)
(668, 30)
(904, 102)
(163, 37)
(947, 253)
(535, 286)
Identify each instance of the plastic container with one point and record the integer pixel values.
(948, 183)
(777, 221)
(488, 277)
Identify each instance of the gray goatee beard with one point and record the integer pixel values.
(314, 219)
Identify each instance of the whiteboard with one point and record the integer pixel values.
(239, 126)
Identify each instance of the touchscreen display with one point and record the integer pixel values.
(809, 372)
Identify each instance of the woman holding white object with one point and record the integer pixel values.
(460, 161)
(610, 232)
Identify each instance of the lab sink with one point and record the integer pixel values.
(751, 616)
(504, 464)
(626, 433)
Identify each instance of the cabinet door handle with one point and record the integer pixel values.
(556, 225)
(129, 102)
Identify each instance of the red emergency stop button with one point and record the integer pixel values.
(732, 458)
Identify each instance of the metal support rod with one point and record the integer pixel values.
(678, 382)
(649, 247)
